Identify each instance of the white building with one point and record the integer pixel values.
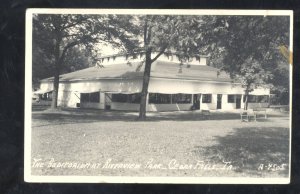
(173, 86)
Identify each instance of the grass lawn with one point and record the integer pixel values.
(95, 142)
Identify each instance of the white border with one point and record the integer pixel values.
(130, 179)
(161, 11)
(291, 84)
(151, 179)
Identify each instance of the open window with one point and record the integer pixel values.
(90, 97)
(206, 98)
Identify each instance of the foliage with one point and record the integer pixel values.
(166, 33)
(249, 49)
(43, 67)
(258, 37)
(58, 37)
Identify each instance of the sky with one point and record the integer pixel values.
(107, 50)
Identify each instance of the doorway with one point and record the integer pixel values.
(107, 101)
(238, 101)
(196, 101)
(219, 101)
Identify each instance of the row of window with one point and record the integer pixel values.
(129, 98)
(155, 98)
(251, 98)
(257, 98)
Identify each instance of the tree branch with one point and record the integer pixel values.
(159, 54)
(69, 35)
(74, 24)
(70, 45)
(149, 28)
(145, 31)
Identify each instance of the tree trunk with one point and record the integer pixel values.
(55, 91)
(56, 74)
(146, 79)
(246, 99)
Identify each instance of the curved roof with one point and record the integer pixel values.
(160, 69)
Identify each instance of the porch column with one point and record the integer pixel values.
(102, 100)
(147, 102)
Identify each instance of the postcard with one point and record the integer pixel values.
(158, 96)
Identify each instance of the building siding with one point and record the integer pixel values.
(70, 91)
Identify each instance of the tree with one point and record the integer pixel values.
(244, 46)
(58, 35)
(162, 33)
(42, 67)
(249, 46)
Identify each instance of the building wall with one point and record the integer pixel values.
(71, 100)
(229, 106)
(168, 107)
(124, 106)
(102, 100)
(257, 105)
(67, 99)
(116, 85)
(209, 106)
(91, 105)
(150, 107)
(226, 105)
(69, 93)
(173, 86)
(94, 105)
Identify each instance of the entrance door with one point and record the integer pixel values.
(196, 101)
(107, 101)
(219, 101)
(238, 101)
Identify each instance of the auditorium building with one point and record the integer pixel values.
(173, 86)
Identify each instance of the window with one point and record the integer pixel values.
(84, 97)
(46, 96)
(263, 98)
(94, 97)
(90, 97)
(127, 98)
(251, 99)
(152, 98)
(119, 98)
(230, 98)
(257, 98)
(134, 98)
(155, 98)
(206, 98)
(181, 98)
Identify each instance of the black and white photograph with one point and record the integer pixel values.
(158, 96)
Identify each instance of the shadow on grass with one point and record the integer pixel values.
(73, 115)
(248, 148)
(52, 118)
(37, 107)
